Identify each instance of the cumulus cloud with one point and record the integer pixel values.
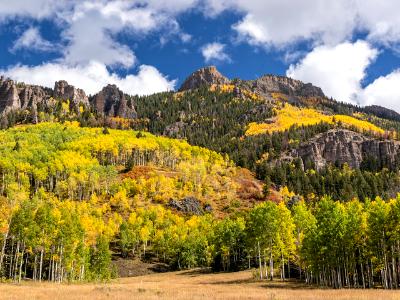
(91, 29)
(282, 22)
(92, 77)
(384, 91)
(89, 43)
(214, 52)
(37, 9)
(31, 39)
(338, 70)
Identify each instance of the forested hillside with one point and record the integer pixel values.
(267, 134)
(227, 174)
(67, 192)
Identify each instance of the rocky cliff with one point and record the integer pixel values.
(279, 84)
(112, 102)
(204, 77)
(64, 91)
(339, 146)
(19, 96)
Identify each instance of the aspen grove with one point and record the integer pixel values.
(66, 211)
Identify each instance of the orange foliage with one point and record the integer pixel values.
(225, 88)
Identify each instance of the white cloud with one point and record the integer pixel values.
(266, 23)
(384, 91)
(282, 22)
(32, 40)
(37, 9)
(92, 77)
(90, 26)
(89, 44)
(89, 38)
(338, 70)
(214, 52)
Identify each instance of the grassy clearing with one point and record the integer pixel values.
(187, 285)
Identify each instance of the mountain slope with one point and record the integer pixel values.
(261, 124)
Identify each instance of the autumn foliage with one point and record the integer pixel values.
(289, 116)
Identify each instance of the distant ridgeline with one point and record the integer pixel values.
(182, 178)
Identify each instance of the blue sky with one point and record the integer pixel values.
(348, 47)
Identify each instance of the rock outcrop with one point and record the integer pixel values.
(112, 102)
(279, 84)
(64, 91)
(340, 146)
(9, 98)
(31, 95)
(20, 96)
(189, 205)
(204, 77)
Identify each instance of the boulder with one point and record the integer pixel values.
(188, 205)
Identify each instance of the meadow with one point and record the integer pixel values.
(188, 285)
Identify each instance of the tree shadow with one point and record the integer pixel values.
(197, 272)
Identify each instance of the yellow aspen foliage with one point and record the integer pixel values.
(120, 200)
(285, 193)
(290, 116)
(279, 97)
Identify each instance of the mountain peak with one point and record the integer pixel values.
(204, 77)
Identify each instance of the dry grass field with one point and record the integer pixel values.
(186, 285)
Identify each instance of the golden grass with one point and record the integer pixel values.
(187, 285)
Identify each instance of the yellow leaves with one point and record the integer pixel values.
(120, 200)
(65, 106)
(251, 95)
(289, 116)
(225, 88)
(284, 191)
(56, 214)
(112, 226)
(279, 97)
(93, 199)
(122, 122)
(73, 124)
(5, 214)
(16, 194)
(144, 233)
(359, 124)
(229, 88)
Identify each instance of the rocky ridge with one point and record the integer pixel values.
(263, 86)
(110, 101)
(285, 85)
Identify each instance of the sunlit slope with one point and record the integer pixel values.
(73, 163)
(289, 116)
